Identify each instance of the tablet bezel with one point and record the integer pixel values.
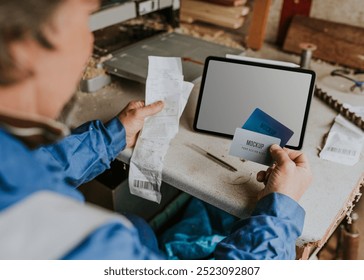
(257, 64)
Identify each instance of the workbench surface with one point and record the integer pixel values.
(329, 198)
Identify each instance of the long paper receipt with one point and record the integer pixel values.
(164, 82)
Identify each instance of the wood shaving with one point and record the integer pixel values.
(94, 67)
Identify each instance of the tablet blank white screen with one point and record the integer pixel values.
(232, 91)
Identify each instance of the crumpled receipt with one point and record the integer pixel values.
(345, 140)
(164, 82)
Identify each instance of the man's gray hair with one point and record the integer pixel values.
(20, 19)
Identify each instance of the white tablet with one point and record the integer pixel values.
(232, 89)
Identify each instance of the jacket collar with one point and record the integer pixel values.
(33, 131)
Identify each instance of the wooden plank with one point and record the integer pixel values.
(336, 42)
(210, 18)
(245, 11)
(205, 9)
(228, 2)
(230, 17)
(257, 28)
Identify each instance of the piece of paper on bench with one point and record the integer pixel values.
(345, 140)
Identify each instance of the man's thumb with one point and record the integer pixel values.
(152, 109)
(278, 154)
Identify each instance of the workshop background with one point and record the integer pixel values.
(257, 22)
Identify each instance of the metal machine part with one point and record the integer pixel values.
(120, 23)
(131, 62)
(95, 84)
(117, 11)
(143, 28)
(306, 54)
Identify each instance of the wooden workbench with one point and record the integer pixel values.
(330, 197)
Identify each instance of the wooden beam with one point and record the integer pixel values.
(230, 17)
(228, 2)
(257, 28)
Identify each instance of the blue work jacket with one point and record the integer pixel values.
(270, 232)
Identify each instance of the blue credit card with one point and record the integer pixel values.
(261, 122)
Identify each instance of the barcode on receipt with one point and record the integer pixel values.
(342, 151)
(145, 185)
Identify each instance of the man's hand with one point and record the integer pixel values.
(133, 115)
(289, 175)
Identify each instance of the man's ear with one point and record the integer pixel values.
(24, 53)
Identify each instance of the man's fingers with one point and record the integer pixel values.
(285, 155)
(135, 104)
(151, 109)
(279, 155)
(298, 157)
(261, 176)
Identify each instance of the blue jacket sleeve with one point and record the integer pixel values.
(270, 233)
(87, 152)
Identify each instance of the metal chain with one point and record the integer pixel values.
(339, 107)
